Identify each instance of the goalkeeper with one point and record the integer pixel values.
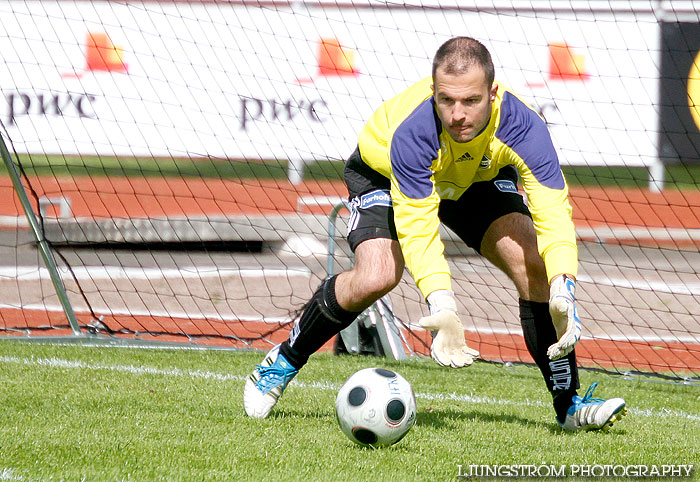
(448, 150)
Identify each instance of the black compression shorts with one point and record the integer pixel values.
(372, 215)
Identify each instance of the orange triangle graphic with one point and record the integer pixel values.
(564, 64)
(334, 59)
(101, 54)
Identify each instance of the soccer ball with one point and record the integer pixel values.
(375, 407)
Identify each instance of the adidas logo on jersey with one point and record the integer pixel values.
(465, 157)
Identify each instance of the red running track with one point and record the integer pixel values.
(160, 197)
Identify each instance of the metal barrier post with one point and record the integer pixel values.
(379, 315)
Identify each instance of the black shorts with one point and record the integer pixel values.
(372, 216)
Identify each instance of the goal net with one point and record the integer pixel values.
(181, 159)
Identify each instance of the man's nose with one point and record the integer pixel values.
(459, 114)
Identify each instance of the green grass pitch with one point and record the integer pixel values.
(72, 413)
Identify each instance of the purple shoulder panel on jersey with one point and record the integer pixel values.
(525, 132)
(414, 146)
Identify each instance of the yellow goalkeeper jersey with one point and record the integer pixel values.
(405, 142)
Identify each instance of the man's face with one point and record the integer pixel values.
(463, 102)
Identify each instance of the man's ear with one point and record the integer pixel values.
(494, 91)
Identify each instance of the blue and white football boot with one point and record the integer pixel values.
(590, 413)
(267, 383)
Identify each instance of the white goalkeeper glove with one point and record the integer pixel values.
(562, 307)
(449, 346)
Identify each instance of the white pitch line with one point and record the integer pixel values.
(680, 288)
(599, 336)
(29, 273)
(25, 273)
(9, 474)
(55, 308)
(604, 233)
(13, 222)
(207, 375)
(684, 288)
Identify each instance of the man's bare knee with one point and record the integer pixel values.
(379, 283)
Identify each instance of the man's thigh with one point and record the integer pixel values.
(492, 218)
(483, 203)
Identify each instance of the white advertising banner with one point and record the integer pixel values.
(239, 81)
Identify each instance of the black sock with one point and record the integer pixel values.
(321, 319)
(561, 376)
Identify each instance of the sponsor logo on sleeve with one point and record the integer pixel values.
(506, 186)
(375, 198)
